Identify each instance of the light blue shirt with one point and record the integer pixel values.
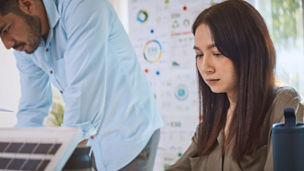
(89, 58)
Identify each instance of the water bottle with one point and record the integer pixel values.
(288, 143)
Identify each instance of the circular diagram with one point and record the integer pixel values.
(181, 92)
(142, 16)
(152, 51)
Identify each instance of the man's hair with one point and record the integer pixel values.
(240, 33)
(7, 6)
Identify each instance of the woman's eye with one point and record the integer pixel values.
(217, 54)
(199, 55)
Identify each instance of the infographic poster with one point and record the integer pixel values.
(160, 32)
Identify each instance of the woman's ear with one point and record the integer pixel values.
(27, 6)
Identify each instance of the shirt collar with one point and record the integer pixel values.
(52, 14)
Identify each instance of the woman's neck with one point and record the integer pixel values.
(232, 97)
(229, 117)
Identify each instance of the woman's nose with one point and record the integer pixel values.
(205, 65)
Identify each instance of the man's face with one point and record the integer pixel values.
(20, 32)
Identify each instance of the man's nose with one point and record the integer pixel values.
(8, 43)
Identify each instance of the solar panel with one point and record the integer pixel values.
(36, 148)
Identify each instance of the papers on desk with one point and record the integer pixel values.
(5, 110)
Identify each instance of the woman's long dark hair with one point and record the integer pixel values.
(239, 33)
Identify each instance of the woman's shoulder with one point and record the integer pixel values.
(285, 93)
(285, 97)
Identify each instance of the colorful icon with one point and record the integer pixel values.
(174, 63)
(185, 8)
(152, 51)
(181, 92)
(186, 22)
(142, 16)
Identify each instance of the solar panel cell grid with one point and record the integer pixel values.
(29, 148)
(23, 164)
(43, 148)
(43, 164)
(16, 164)
(13, 148)
(47, 149)
(31, 165)
(4, 162)
(3, 146)
(26, 148)
(55, 148)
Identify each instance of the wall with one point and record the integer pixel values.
(160, 32)
(9, 87)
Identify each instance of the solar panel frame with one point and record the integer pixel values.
(51, 147)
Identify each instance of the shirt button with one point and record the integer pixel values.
(61, 91)
(51, 72)
(47, 49)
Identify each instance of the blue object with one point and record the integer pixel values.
(288, 143)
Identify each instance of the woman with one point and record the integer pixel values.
(238, 99)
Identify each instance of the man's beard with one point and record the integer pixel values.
(33, 29)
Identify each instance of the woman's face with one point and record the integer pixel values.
(217, 71)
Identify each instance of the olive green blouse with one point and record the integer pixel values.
(260, 160)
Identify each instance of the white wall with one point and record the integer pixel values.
(9, 87)
(121, 7)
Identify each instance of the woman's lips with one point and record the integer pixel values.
(212, 81)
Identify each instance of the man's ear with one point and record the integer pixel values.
(27, 6)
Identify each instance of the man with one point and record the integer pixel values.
(80, 46)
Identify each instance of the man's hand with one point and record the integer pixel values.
(83, 142)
